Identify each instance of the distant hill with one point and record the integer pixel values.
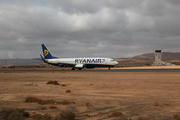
(149, 58)
(7, 62)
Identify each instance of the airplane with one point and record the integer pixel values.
(76, 63)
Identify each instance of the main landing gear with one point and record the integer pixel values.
(78, 68)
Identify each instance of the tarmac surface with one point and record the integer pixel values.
(92, 70)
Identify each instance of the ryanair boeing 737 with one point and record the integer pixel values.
(76, 63)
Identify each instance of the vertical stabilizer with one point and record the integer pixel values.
(46, 53)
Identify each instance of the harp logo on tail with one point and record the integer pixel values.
(46, 52)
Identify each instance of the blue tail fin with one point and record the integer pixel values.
(47, 54)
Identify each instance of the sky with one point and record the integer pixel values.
(88, 28)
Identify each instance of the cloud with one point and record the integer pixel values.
(86, 28)
(75, 6)
(139, 22)
(174, 2)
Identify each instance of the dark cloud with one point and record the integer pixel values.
(75, 6)
(82, 28)
(174, 2)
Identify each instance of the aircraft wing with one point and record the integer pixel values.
(66, 64)
(61, 64)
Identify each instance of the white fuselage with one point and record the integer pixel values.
(85, 61)
(76, 63)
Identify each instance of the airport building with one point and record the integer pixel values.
(158, 61)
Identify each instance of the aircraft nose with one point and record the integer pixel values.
(116, 63)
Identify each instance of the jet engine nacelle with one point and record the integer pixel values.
(79, 66)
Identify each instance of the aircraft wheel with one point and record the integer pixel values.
(73, 68)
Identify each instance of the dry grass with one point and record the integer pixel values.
(44, 102)
(53, 82)
(110, 92)
(66, 102)
(176, 117)
(42, 117)
(115, 114)
(124, 118)
(66, 115)
(56, 83)
(13, 114)
(31, 99)
(161, 104)
(63, 85)
(156, 103)
(166, 104)
(68, 91)
(20, 114)
(31, 84)
(52, 107)
(142, 118)
(88, 105)
(83, 115)
(43, 108)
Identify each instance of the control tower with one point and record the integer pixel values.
(158, 56)
(158, 61)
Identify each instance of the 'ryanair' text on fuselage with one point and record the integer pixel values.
(89, 60)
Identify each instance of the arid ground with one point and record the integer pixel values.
(96, 95)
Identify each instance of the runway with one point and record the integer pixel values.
(92, 70)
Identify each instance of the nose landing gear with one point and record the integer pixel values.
(109, 68)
